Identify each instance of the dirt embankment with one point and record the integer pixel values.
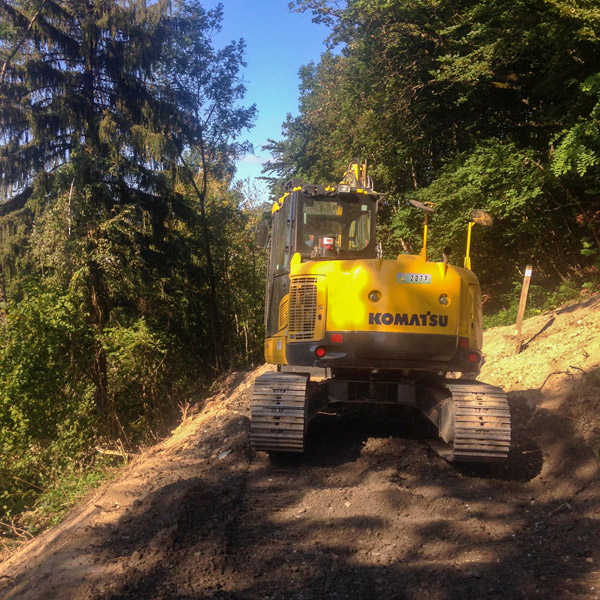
(368, 512)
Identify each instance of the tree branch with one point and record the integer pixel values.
(22, 533)
(20, 42)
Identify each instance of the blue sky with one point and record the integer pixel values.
(278, 43)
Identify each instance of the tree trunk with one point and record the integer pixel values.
(104, 406)
(215, 316)
(3, 313)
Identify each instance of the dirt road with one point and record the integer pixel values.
(370, 511)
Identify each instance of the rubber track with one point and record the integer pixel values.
(279, 409)
(482, 424)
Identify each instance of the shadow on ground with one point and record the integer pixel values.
(370, 511)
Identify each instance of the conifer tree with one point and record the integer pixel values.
(77, 81)
(79, 101)
(104, 107)
(207, 87)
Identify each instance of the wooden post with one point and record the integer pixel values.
(522, 304)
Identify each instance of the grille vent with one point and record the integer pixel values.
(303, 307)
(283, 313)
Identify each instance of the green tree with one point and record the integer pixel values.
(120, 103)
(207, 87)
(90, 119)
(119, 237)
(47, 406)
(430, 92)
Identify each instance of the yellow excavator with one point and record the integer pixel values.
(343, 324)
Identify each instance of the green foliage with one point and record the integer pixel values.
(46, 400)
(126, 260)
(67, 487)
(238, 277)
(509, 184)
(490, 105)
(578, 148)
(83, 88)
(137, 383)
(539, 300)
(502, 318)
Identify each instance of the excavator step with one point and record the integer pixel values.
(279, 412)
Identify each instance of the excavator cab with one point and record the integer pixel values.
(316, 223)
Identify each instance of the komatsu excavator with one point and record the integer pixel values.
(344, 324)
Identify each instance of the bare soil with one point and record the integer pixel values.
(370, 511)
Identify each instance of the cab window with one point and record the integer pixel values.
(348, 221)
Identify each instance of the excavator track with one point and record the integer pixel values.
(279, 412)
(482, 427)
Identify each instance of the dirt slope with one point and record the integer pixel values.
(369, 512)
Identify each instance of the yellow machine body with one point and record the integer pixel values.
(367, 313)
(345, 325)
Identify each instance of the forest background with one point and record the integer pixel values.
(128, 275)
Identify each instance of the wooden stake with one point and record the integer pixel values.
(522, 304)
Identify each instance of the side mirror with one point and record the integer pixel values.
(427, 210)
(478, 217)
(481, 218)
(421, 206)
(261, 237)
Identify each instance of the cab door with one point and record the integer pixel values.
(278, 277)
